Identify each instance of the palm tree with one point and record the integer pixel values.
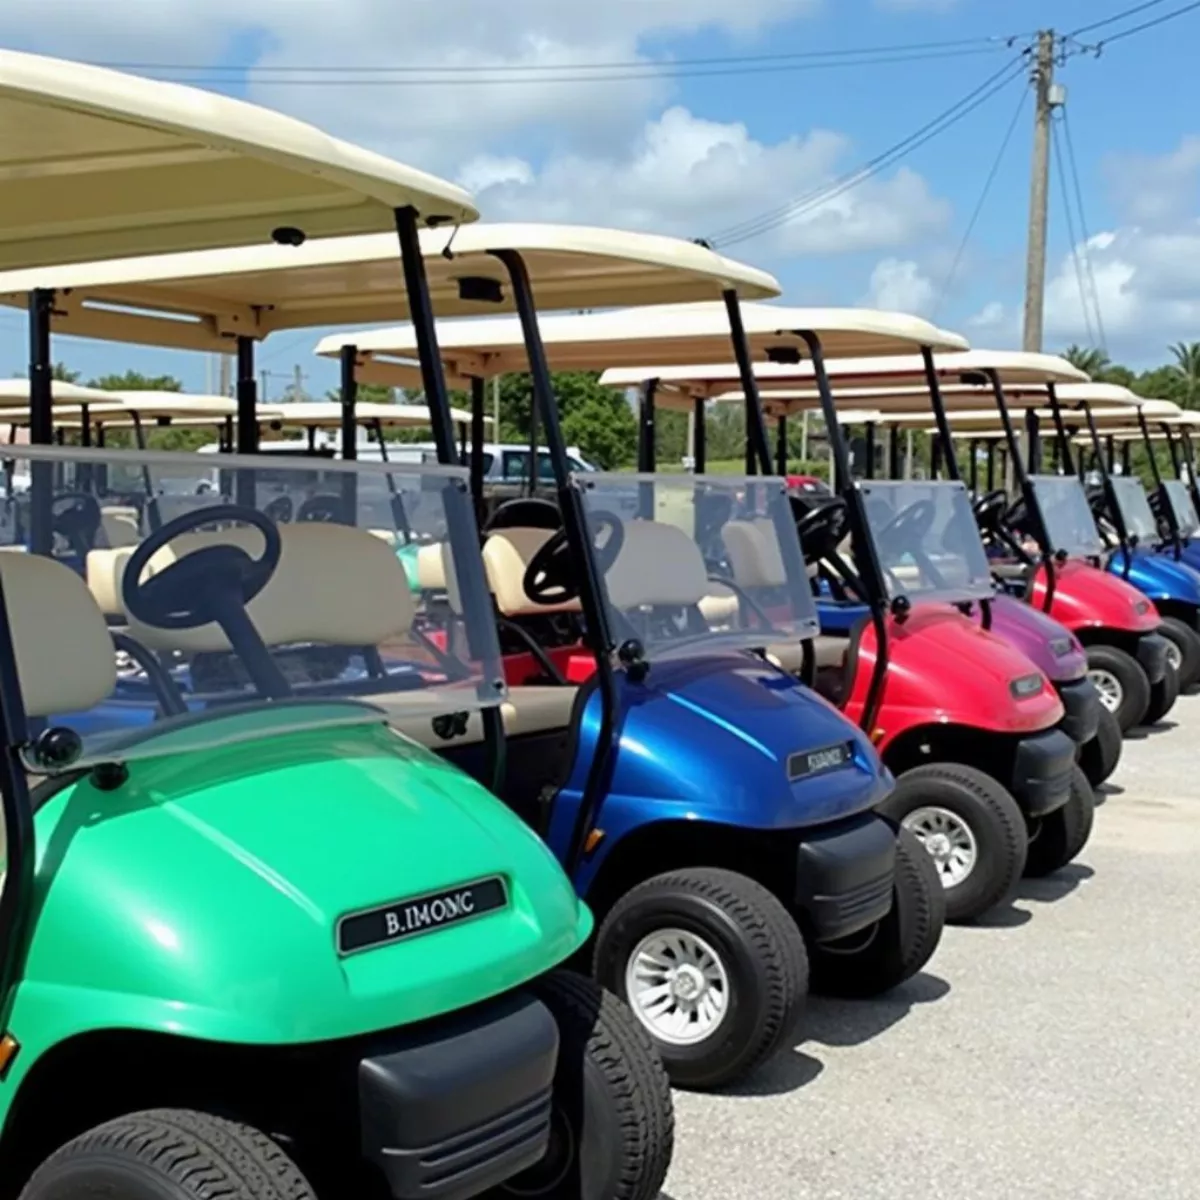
(1187, 367)
(1092, 362)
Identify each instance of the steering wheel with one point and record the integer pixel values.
(907, 529)
(553, 578)
(529, 512)
(989, 508)
(821, 525)
(76, 517)
(280, 510)
(214, 583)
(325, 510)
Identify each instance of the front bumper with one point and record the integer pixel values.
(1151, 654)
(1041, 773)
(844, 876)
(1081, 703)
(451, 1113)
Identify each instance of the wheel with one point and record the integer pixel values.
(1100, 756)
(972, 828)
(712, 965)
(613, 1124)
(1183, 650)
(897, 947)
(1122, 684)
(1055, 840)
(1163, 695)
(169, 1154)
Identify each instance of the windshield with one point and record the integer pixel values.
(1134, 504)
(1179, 497)
(926, 539)
(695, 562)
(309, 597)
(1066, 515)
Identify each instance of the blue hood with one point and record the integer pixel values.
(1158, 576)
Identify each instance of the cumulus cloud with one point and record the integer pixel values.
(901, 286)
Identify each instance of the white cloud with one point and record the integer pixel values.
(934, 6)
(693, 177)
(1155, 190)
(900, 285)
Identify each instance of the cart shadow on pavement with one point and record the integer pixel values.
(1055, 887)
(833, 1021)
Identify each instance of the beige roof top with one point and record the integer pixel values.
(16, 391)
(258, 290)
(669, 334)
(327, 414)
(96, 163)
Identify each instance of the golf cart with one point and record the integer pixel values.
(267, 949)
(726, 812)
(964, 720)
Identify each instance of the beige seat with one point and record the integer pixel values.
(507, 554)
(719, 606)
(658, 565)
(105, 570)
(527, 710)
(120, 525)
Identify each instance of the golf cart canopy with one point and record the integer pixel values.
(329, 414)
(14, 393)
(100, 164)
(665, 334)
(207, 300)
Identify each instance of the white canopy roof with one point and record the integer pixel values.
(16, 392)
(327, 414)
(96, 163)
(254, 291)
(678, 333)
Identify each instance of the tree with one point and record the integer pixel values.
(63, 374)
(135, 381)
(1092, 362)
(1187, 367)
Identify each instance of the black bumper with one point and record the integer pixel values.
(1041, 774)
(844, 876)
(449, 1114)
(1082, 704)
(1151, 653)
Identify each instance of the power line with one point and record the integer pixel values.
(983, 195)
(1083, 227)
(1120, 16)
(764, 222)
(1075, 255)
(1124, 33)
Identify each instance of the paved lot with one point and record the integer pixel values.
(1053, 1053)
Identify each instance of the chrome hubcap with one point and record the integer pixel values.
(1174, 655)
(1109, 687)
(677, 986)
(948, 839)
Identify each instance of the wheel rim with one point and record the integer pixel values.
(948, 839)
(677, 986)
(1109, 687)
(1174, 654)
(545, 1176)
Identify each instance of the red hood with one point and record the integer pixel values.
(1087, 598)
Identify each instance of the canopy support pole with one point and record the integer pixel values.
(781, 445)
(478, 405)
(699, 438)
(41, 421)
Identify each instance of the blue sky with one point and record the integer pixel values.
(694, 156)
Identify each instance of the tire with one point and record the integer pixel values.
(740, 931)
(1186, 641)
(1123, 686)
(1059, 837)
(169, 1154)
(897, 947)
(1163, 695)
(960, 802)
(1100, 756)
(614, 1124)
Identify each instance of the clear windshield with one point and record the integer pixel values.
(1134, 504)
(1179, 496)
(1066, 515)
(257, 602)
(696, 562)
(926, 539)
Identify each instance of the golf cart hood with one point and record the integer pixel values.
(1056, 651)
(1159, 576)
(206, 894)
(1088, 598)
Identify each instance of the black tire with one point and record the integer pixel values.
(897, 947)
(614, 1123)
(1058, 838)
(1130, 679)
(1187, 641)
(169, 1154)
(1100, 756)
(758, 944)
(1163, 695)
(987, 810)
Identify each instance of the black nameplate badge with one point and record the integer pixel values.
(420, 914)
(810, 762)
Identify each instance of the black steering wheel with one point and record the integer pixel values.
(325, 510)
(821, 525)
(529, 512)
(907, 529)
(552, 577)
(214, 583)
(76, 517)
(280, 510)
(989, 508)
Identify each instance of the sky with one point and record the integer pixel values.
(706, 150)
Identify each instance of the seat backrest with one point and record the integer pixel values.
(104, 571)
(507, 554)
(334, 585)
(65, 660)
(120, 525)
(658, 565)
(754, 556)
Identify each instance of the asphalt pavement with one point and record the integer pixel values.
(1053, 1052)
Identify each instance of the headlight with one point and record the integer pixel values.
(1026, 686)
(1061, 647)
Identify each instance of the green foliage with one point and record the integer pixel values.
(135, 381)
(1186, 369)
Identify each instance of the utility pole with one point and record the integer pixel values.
(224, 375)
(1039, 191)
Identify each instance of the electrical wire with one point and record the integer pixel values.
(1075, 253)
(1124, 33)
(983, 195)
(1120, 16)
(1083, 228)
(773, 218)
